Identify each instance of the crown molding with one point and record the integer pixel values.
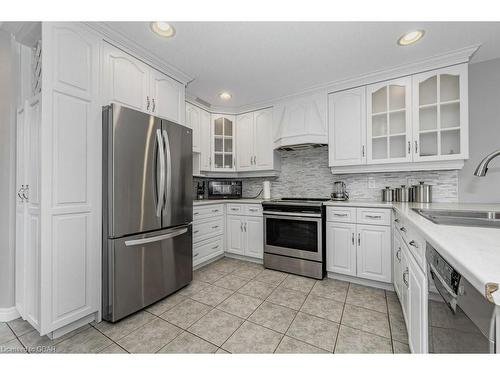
(119, 40)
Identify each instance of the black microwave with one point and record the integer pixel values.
(224, 189)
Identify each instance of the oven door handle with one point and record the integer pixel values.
(294, 214)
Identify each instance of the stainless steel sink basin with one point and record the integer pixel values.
(488, 219)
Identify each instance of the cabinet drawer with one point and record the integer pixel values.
(252, 210)
(211, 227)
(209, 210)
(234, 209)
(375, 216)
(341, 214)
(206, 250)
(415, 243)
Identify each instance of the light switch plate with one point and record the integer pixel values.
(371, 183)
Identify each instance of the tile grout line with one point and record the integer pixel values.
(341, 317)
(389, 321)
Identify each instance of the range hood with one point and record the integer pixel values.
(301, 146)
(300, 123)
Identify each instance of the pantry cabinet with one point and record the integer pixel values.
(440, 113)
(254, 141)
(347, 127)
(358, 242)
(388, 129)
(130, 82)
(411, 123)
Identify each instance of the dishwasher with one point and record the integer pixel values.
(461, 320)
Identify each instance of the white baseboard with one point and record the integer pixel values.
(8, 313)
(360, 281)
(242, 257)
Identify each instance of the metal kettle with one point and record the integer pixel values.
(339, 191)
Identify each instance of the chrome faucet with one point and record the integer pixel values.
(482, 168)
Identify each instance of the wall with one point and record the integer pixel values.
(484, 134)
(306, 173)
(7, 171)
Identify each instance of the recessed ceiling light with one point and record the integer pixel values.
(410, 37)
(163, 29)
(225, 96)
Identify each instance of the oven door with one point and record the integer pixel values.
(294, 235)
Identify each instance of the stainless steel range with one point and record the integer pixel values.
(294, 236)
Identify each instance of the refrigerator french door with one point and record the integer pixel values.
(147, 209)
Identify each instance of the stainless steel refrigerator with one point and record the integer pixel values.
(147, 210)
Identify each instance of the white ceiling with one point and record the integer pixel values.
(260, 61)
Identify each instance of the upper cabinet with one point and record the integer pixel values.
(301, 120)
(130, 82)
(193, 121)
(389, 122)
(441, 115)
(347, 127)
(223, 143)
(411, 123)
(254, 141)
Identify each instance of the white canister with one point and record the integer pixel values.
(266, 190)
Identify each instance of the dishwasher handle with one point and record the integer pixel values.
(449, 296)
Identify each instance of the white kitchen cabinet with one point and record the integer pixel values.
(341, 257)
(205, 141)
(130, 82)
(397, 265)
(355, 248)
(193, 121)
(301, 120)
(235, 236)
(417, 314)
(58, 255)
(223, 143)
(374, 252)
(254, 233)
(254, 141)
(208, 232)
(347, 127)
(388, 123)
(126, 79)
(167, 97)
(440, 112)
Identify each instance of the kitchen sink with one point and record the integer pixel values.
(466, 218)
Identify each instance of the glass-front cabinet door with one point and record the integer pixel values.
(389, 131)
(223, 155)
(440, 114)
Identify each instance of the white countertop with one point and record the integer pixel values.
(473, 251)
(377, 204)
(219, 201)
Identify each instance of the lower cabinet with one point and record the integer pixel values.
(360, 250)
(245, 235)
(208, 233)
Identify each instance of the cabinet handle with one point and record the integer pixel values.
(241, 226)
(416, 147)
(19, 193)
(359, 239)
(210, 161)
(234, 209)
(363, 150)
(196, 231)
(409, 146)
(396, 220)
(245, 227)
(341, 215)
(154, 104)
(405, 277)
(147, 103)
(215, 227)
(26, 196)
(215, 210)
(215, 247)
(196, 213)
(253, 209)
(403, 229)
(195, 255)
(398, 255)
(374, 216)
(352, 238)
(413, 243)
(255, 160)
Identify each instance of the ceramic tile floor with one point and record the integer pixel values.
(239, 307)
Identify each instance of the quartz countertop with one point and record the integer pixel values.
(219, 201)
(472, 251)
(359, 203)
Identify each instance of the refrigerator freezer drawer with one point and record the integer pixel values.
(142, 269)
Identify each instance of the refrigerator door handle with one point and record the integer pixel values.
(161, 150)
(168, 166)
(161, 237)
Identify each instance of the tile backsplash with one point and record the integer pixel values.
(305, 173)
